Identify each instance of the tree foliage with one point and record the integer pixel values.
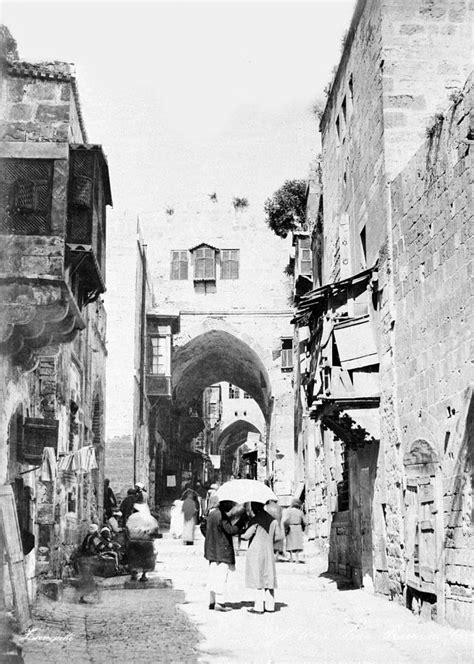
(285, 210)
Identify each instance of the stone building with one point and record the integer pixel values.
(54, 191)
(384, 425)
(221, 314)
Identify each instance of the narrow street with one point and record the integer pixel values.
(314, 622)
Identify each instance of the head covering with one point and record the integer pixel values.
(295, 502)
(261, 517)
(105, 529)
(140, 485)
(116, 512)
(214, 486)
(93, 528)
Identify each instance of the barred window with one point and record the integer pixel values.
(179, 265)
(229, 264)
(25, 196)
(204, 264)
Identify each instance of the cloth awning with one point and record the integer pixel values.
(319, 300)
(356, 343)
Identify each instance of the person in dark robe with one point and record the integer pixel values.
(126, 506)
(109, 499)
(190, 511)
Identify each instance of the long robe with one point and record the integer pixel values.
(294, 521)
(260, 569)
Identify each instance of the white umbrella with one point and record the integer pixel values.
(245, 491)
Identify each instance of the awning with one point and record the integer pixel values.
(319, 300)
(356, 343)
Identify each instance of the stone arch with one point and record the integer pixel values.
(231, 439)
(423, 526)
(215, 356)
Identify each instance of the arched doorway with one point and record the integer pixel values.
(423, 546)
(206, 360)
(232, 448)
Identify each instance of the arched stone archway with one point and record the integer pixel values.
(216, 356)
(231, 440)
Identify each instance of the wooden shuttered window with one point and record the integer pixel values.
(305, 256)
(229, 264)
(179, 265)
(287, 354)
(204, 264)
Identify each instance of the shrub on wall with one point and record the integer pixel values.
(285, 210)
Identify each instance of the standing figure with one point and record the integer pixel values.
(190, 511)
(219, 551)
(86, 562)
(275, 510)
(177, 519)
(260, 570)
(109, 499)
(141, 528)
(294, 524)
(126, 506)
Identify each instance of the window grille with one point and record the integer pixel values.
(205, 264)
(25, 196)
(229, 264)
(179, 265)
(247, 395)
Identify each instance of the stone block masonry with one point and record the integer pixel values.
(119, 464)
(432, 220)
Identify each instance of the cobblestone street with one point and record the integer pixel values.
(314, 622)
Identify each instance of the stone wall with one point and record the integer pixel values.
(37, 103)
(119, 464)
(432, 220)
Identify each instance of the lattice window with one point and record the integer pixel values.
(179, 265)
(230, 264)
(204, 264)
(25, 196)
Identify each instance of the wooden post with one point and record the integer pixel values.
(11, 540)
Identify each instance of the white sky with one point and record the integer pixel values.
(188, 98)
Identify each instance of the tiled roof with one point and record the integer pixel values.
(55, 71)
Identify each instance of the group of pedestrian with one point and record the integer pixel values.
(189, 511)
(261, 526)
(126, 539)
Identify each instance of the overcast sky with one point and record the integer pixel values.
(189, 98)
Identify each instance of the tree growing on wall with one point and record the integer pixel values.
(285, 210)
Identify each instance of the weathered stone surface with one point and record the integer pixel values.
(52, 113)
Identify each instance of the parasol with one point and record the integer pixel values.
(245, 491)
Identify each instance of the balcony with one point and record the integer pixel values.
(157, 386)
(52, 243)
